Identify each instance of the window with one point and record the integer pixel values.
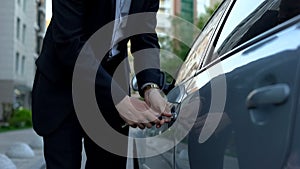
(198, 51)
(18, 28)
(17, 63)
(246, 20)
(19, 2)
(23, 65)
(24, 33)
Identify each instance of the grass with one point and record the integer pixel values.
(12, 128)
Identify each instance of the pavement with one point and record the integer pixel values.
(21, 160)
(9, 140)
(29, 137)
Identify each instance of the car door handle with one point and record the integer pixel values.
(273, 94)
(174, 115)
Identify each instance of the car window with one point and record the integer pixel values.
(193, 60)
(246, 20)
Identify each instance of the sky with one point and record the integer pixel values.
(201, 4)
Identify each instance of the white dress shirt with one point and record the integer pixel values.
(122, 10)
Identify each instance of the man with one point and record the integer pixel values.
(73, 23)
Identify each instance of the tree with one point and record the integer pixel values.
(178, 48)
(204, 17)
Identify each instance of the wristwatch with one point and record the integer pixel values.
(149, 86)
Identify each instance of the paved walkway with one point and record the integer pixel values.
(28, 136)
(8, 139)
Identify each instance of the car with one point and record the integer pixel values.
(236, 97)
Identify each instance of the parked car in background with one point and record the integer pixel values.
(241, 80)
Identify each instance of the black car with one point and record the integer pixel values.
(236, 97)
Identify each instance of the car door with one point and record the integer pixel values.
(293, 159)
(169, 135)
(260, 100)
(247, 89)
(189, 104)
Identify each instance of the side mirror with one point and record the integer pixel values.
(165, 81)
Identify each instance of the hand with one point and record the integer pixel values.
(158, 103)
(136, 112)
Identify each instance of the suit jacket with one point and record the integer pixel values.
(73, 23)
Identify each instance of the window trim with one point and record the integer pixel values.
(211, 40)
(217, 33)
(292, 22)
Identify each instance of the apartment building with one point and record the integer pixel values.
(22, 29)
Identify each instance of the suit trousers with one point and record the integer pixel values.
(63, 149)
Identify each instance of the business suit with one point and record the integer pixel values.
(72, 24)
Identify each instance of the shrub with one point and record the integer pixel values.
(21, 118)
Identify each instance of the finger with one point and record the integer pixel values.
(163, 121)
(140, 125)
(129, 117)
(167, 120)
(146, 117)
(133, 125)
(155, 121)
(148, 125)
(130, 123)
(152, 120)
(167, 114)
(151, 116)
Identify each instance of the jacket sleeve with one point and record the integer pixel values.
(146, 49)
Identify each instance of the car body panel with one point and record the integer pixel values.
(248, 111)
(261, 135)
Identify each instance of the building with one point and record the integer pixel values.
(164, 23)
(187, 9)
(191, 9)
(41, 24)
(165, 6)
(22, 29)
